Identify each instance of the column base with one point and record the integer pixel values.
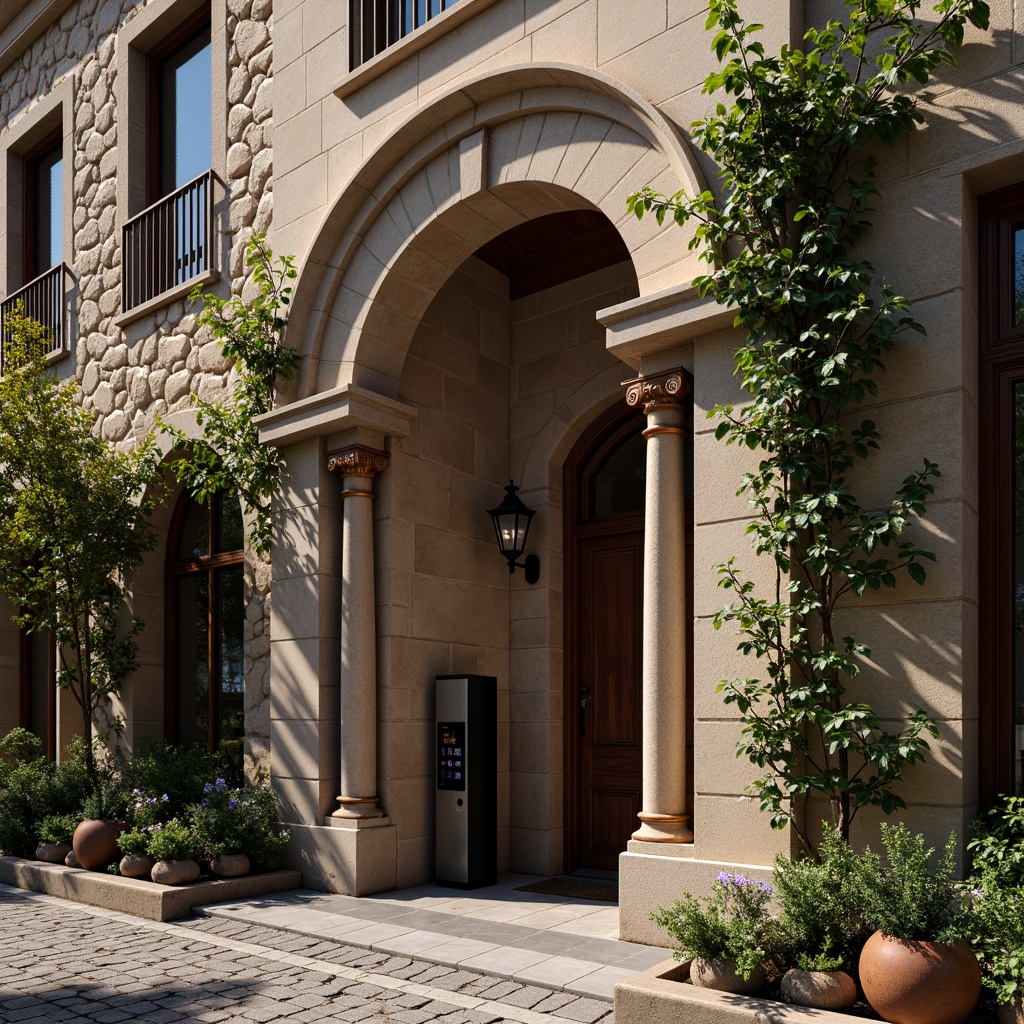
(663, 828)
(347, 858)
(358, 807)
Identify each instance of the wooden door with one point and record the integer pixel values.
(609, 709)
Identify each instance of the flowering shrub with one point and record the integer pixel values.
(144, 810)
(733, 923)
(238, 820)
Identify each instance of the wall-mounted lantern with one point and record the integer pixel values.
(511, 524)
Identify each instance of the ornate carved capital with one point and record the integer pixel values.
(357, 461)
(660, 390)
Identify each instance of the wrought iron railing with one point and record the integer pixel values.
(374, 25)
(169, 243)
(44, 300)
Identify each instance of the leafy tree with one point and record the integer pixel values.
(794, 147)
(229, 457)
(73, 522)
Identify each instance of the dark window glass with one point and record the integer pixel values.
(209, 617)
(1018, 584)
(42, 673)
(45, 222)
(619, 483)
(186, 113)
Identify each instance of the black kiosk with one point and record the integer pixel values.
(466, 761)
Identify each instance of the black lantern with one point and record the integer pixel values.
(511, 524)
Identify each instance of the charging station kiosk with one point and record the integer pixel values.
(466, 762)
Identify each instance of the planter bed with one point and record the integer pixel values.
(136, 896)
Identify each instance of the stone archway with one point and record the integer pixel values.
(498, 151)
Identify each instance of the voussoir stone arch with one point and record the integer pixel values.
(499, 150)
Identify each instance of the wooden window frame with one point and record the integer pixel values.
(26, 667)
(1001, 365)
(178, 568)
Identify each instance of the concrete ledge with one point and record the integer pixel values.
(660, 996)
(133, 895)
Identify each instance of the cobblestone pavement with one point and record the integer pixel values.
(67, 963)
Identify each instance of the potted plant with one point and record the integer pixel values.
(173, 847)
(95, 840)
(997, 924)
(218, 825)
(726, 936)
(55, 833)
(821, 930)
(136, 862)
(916, 968)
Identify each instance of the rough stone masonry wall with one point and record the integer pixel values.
(129, 383)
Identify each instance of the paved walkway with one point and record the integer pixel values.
(64, 963)
(565, 944)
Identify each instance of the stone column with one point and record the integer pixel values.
(358, 699)
(666, 401)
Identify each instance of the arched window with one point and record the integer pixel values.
(206, 617)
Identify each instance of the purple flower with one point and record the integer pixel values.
(765, 886)
(724, 877)
(207, 788)
(136, 792)
(164, 799)
(740, 880)
(220, 785)
(204, 802)
(232, 804)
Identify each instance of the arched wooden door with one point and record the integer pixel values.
(604, 487)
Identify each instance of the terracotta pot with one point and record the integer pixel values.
(175, 872)
(723, 976)
(1011, 1013)
(71, 860)
(136, 865)
(919, 982)
(95, 844)
(230, 865)
(52, 853)
(822, 990)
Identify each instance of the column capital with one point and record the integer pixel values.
(357, 460)
(659, 390)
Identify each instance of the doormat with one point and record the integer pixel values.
(574, 888)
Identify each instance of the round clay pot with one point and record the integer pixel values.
(136, 865)
(52, 853)
(723, 976)
(95, 844)
(919, 982)
(175, 872)
(230, 865)
(1011, 1013)
(822, 990)
(71, 860)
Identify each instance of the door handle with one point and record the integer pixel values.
(584, 694)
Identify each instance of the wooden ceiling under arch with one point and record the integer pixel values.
(553, 249)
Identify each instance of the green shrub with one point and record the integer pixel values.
(904, 897)
(997, 936)
(731, 924)
(20, 746)
(998, 841)
(821, 925)
(58, 829)
(106, 802)
(240, 820)
(172, 840)
(134, 842)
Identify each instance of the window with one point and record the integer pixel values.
(1001, 497)
(206, 606)
(38, 660)
(44, 204)
(170, 243)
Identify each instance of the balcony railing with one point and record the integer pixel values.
(169, 243)
(374, 25)
(44, 300)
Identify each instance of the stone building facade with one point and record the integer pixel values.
(472, 295)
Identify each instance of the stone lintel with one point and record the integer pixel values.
(331, 412)
(654, 323)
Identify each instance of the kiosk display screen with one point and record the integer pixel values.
(451, 759)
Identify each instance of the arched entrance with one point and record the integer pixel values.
(604, 487)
